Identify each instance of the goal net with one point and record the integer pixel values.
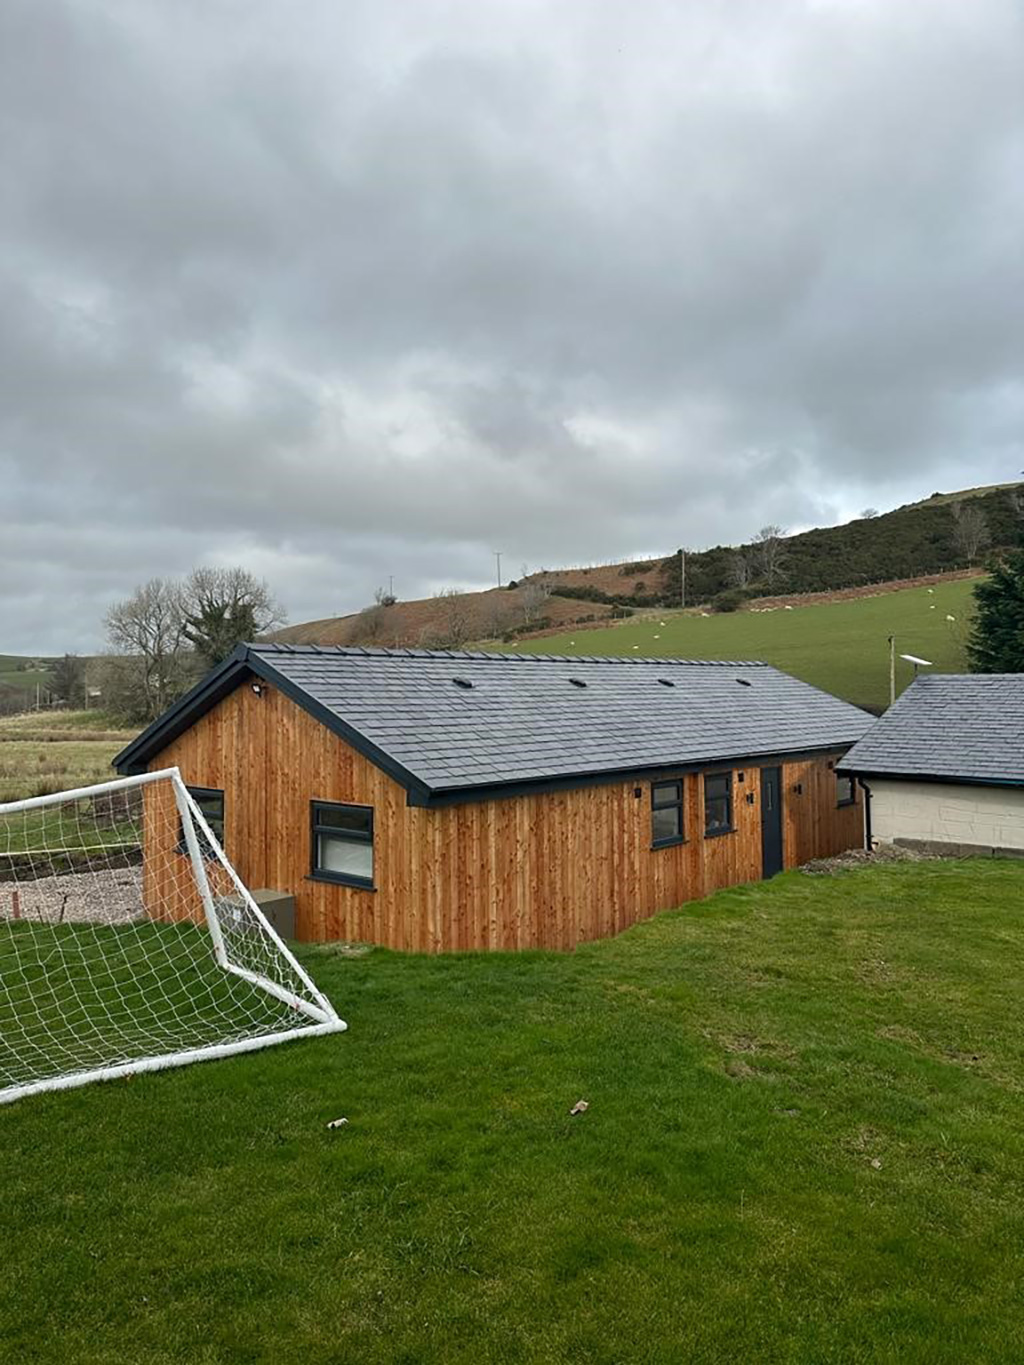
(128, 943)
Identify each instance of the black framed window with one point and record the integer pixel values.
(846, 793)
(210, 801)
(718, 803)
(666, 813)
(342, 843)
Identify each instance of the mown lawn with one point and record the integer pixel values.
(805, 1143)
(840, 646)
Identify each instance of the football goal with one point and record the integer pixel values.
(128, 943)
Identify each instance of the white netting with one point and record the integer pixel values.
(127, 941)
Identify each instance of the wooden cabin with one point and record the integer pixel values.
(435, 800)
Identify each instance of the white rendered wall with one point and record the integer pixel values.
(988, 816)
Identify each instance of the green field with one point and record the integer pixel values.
(48, 751)
(18, 678)
(840, 646)
(803, 1144)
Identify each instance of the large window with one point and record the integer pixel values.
(718, 803)
(211, 802)
(846, 794)
(343, 843)
(666, 813)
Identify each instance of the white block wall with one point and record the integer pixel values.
(988, 816)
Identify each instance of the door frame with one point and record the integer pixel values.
(772, 831)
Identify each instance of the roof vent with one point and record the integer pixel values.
(577, 682)
(462, 682)
(744, 682)
(666, 682)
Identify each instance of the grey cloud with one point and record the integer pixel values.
(346, 291)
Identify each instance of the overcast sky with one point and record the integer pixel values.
(341, 290)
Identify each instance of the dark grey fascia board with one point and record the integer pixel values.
(458, 796)
(237, 668)
(211, 689)
(943, 779)
(395, 770)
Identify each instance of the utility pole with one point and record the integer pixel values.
(892, 670)
(682, 578)
(497, 556)
(391, 585)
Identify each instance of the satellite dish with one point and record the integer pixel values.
(919, 663)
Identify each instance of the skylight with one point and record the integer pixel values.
(462, 682)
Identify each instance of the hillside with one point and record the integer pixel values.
(838, 645)
(19, 678)
(945, 534)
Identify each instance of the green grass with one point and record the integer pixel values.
(840, 646)
(804, 1144)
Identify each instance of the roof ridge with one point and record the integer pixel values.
(369, 651)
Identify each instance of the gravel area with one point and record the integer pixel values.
(106, 896)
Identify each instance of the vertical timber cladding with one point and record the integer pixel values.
(545, 870)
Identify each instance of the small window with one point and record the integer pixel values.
(343, 843)
(846, 793)
(211, 803)
(718, 804)
(666, 813)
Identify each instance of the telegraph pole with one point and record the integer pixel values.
(497, 556)
(682, 578)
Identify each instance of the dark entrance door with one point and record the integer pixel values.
(771, 821)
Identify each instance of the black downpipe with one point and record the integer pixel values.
(867, 813)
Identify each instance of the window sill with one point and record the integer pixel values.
(842, 805)
(717, 833)
(353, 883)
(666, 843)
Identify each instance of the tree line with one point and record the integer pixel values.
(163, 637)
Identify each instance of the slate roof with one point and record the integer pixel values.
(955, 726)
(523, 719)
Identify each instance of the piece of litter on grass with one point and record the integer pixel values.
(337, 1123)
(580, 1107)
(876, 1164)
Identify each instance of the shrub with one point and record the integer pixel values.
(729, 600)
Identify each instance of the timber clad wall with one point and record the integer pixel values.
(536, 871)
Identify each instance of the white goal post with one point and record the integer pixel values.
(128, 942)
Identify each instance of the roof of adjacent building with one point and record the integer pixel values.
(955, 727)
(444, 722)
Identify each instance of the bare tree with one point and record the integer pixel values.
(868, 513)
(147, 629)
(769, 553)
(455, 625)
(532, 597)
(222, 608)
(738, 574)
(69, 680)
(499, 614)
(970, 529)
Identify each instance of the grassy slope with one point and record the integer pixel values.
(803, 1144)
(23, 680)
(840, 646)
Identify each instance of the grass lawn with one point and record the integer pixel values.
(804, 1143)
(840, 646)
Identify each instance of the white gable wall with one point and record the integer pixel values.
(989, 817)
